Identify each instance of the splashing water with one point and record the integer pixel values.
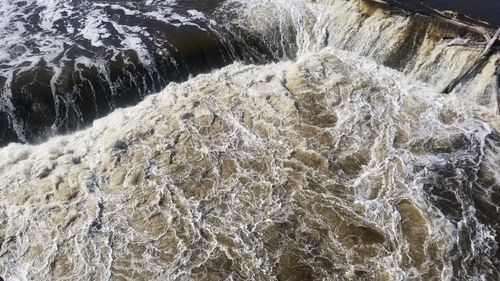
(341, 161)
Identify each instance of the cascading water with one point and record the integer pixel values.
(64, 63)
(337, 159)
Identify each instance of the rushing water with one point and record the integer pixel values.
(64, 63)
(327, 152)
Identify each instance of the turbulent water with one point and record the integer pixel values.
(64, 63)
(340, 159)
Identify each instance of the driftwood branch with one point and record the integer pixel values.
(479, 61)
(491, 43)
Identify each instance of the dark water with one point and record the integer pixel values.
(66, 63)
(483, 10)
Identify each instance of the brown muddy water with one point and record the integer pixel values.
(338, 158)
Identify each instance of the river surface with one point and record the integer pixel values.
(485, 10)
(246, 140)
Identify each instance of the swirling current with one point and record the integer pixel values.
(246, 140)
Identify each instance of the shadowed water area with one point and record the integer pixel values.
(65, 63)
(270, 140)
(484, 10)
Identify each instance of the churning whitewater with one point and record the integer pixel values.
(340, 159)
